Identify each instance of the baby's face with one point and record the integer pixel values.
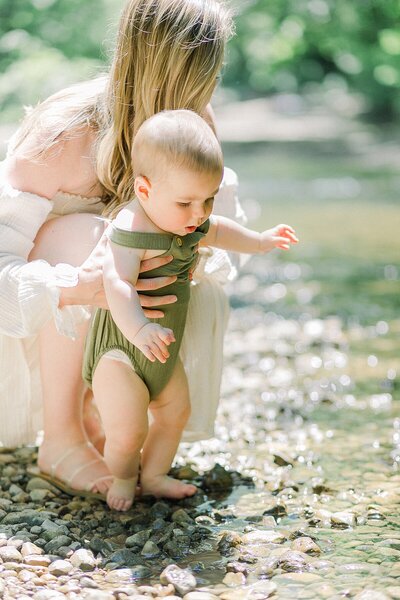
(182, 200)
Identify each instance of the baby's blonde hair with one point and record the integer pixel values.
(175, 139)
(168, 56)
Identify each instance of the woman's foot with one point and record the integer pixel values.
(163, 486)
(79, 466)
(121, 493)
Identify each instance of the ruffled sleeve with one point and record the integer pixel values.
(29, 291)
(215, 262)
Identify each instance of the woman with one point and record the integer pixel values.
(72, 155)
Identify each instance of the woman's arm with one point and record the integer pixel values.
(31, 291)
(225, 233)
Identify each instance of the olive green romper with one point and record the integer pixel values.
(104, 335)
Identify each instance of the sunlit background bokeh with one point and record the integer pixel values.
(308, 113)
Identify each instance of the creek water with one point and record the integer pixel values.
(310, 399)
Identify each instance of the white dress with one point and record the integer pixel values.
(29, 297)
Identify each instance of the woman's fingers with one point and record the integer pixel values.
(154, 263)
(154, 283)
(151, 313)
(150, 301)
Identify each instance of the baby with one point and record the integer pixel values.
(132, 363)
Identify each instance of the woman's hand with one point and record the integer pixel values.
(154, 283)
(90, 290)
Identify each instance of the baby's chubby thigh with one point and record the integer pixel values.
(69, 239)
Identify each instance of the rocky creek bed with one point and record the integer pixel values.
(298, 492)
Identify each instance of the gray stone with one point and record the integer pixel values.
(30, 548)
(181, 517)
(200, 596)
(57, 543)
(60, 567)
(150, 550)
(10, 554)
(263, 537)
(83, 559)
(97, 595)
(305, 544)
(138, 540)
(182, 579)
(36, 483)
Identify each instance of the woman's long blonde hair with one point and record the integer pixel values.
(168, 56)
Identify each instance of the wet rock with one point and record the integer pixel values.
(305, 544)
(56, 543)
(182, 579)
(237, 567)
(36, 483)
(292, 561)
(97, 595)
(83, 559)
(140, 572)
(125, 557)
(60, 567)
(263, 537)
(40, 495)
(217, 479)
(181, 517)
(150, 550)
(343, 519)
(200, 596)
(234, 579)
(275, 508)
(282, 460)
(185, 472)
(138, 540)
(159, 510)
(98, 545)
(37, 560)
(371, 594)
(119, 576)
(10, 554)
(228, 541)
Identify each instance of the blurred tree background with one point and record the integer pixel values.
(281, 46)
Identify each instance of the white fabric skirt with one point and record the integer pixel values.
(21, 416)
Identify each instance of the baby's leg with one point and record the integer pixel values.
(123, 401)
(170, 411)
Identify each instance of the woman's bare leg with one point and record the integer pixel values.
(67, 239)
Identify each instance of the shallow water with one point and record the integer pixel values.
(310, 406)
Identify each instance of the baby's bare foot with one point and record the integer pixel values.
(167, 487)
(121, 493)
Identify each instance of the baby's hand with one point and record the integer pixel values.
(152, 340)
(280, 236)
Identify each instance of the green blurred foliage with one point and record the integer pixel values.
(48, 44)
(289, 46)
(297, 45)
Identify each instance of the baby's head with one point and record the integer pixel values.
(177, 165)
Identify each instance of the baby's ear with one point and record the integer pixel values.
(142, 187)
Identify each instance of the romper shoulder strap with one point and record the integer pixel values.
(138, 239)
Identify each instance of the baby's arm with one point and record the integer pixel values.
(225, 233)
(120, 273)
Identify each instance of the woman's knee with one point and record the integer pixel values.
(69, 239)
